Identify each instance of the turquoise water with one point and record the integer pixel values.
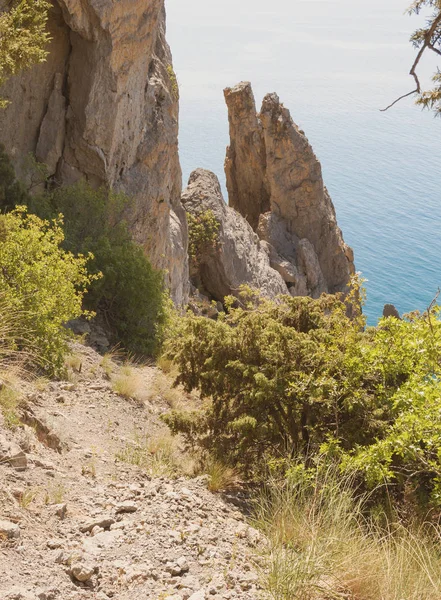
(334, 63)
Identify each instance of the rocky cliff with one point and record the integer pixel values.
(105, 107)
(238, 257)
(275, 181)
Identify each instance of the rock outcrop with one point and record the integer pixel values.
(245, 163)
(104, 106)
(238, 257)
(275, 181)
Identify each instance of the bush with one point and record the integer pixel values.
(131, 294)
(23, 37)
(203, 231)
(272, 371)
(299, 376)
(42, 283)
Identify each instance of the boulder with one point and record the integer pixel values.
(238, 257)
(9, 530)
(390, 310)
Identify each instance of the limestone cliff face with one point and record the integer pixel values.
(104, 107)
(275, 181)
(238, 257)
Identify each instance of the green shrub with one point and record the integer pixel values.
(297, 375)
(174, 81)
(131, 294)
(203, 231)
(41, 282)
(23, 37)
(277, 376)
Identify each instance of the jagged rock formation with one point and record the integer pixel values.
(275, 181)
(238, 256)
(104, 106)
(246, 157)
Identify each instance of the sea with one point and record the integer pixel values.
(334, 64)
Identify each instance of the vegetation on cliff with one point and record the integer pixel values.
(23, 37)
(123, 286)
(41, 284)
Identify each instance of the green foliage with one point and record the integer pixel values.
(409, 452)
(299, 376)
(203, 232)
(12, 192)
(23, 37)
(427, 38)
(174, 81)
(130, 294)
(41, 282)
(275, 374)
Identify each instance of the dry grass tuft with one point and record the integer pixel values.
(128, 382)
(74, 362)
(159, 455)
(161, 388)
(167, 366)
(322, 547)
(10, 400)
(222, 478)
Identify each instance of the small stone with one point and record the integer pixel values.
(9, 530)
(54, 544)
(126, 507)
(183, 565)
(82, 571)
(103, 522)
(60, 510)
(199, 595)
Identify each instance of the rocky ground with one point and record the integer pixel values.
(79, 519)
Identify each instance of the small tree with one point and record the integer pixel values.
(423, 39)
(23, 37)
(42, 283)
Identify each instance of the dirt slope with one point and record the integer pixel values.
(80, 522)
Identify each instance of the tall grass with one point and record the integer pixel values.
(323, 547)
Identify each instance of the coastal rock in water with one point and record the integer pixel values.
(390, 310)
(104, 106)
(237, 257)
(292, 209)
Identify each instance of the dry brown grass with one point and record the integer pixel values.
(222, 478)
(323, 548)
(158, 454)
(73, 362)
(128, 382)
(161, 389)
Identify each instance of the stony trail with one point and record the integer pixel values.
(77, 522)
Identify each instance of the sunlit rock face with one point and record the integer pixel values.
(104, 107)
(237, 257)
(275, 181)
